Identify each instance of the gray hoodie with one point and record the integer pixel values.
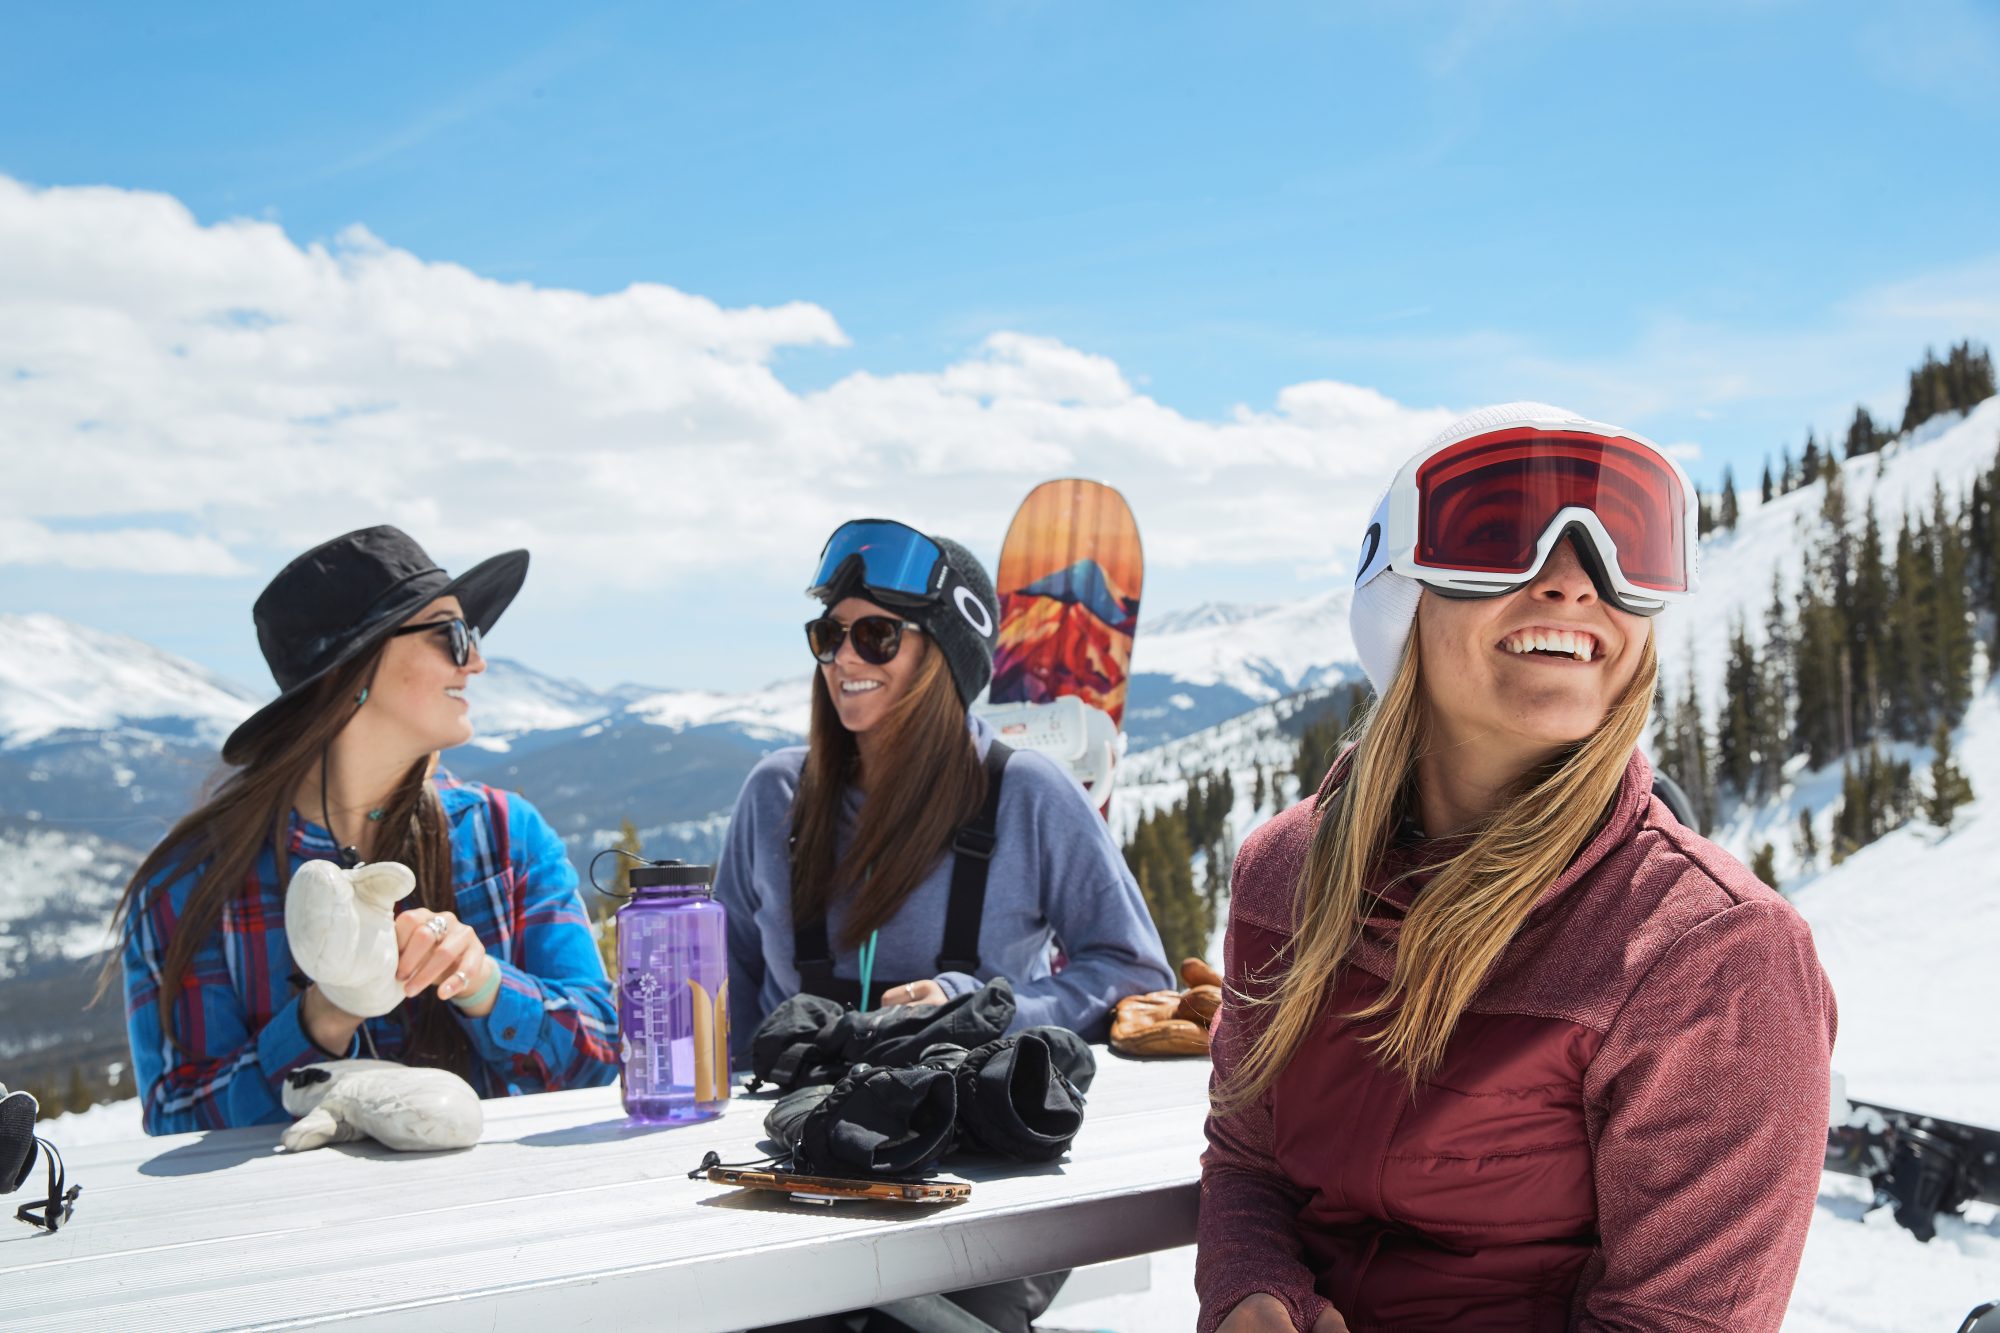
(1055, 873)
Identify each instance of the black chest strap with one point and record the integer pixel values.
(972, 858)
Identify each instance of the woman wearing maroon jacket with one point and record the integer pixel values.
(1505, 1046)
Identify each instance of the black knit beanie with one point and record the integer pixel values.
(965, 621)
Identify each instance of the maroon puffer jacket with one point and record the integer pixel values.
(1626, 1132)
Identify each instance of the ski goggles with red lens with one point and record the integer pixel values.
(888, 561)
(1478, 516)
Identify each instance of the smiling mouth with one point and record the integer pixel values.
(455, 691)
(1573, 645)
(850, 688)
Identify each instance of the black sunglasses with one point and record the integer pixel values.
(876, 638)
(464, 637)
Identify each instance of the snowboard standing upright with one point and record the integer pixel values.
(1071, 572)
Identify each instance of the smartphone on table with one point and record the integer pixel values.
(829, 1189)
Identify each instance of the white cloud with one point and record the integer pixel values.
(264, 395)
(146, 550)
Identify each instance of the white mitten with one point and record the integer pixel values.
(410, 1110)
(342, 928)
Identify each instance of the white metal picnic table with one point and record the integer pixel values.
(565, 1215)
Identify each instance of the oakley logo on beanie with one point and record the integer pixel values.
(976, 615)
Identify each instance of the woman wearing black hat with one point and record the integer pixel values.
(371, 645)
(848, 871)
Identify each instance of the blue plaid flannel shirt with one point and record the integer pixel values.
(553, 1025)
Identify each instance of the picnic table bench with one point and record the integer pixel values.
(566, 1215)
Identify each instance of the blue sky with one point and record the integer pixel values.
(1719, 224)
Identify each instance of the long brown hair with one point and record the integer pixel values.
(249, 808)
(915, 803)
(1471, 908)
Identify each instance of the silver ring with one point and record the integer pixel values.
(461, 977)
(437, 926)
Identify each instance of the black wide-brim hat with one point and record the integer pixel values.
(343, 597)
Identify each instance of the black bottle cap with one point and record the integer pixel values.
(670, 874)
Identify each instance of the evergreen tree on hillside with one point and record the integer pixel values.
(1868, 617)
(1323, 737)
(1773, 741)
(1163, 862)
(1736, 727)
(1979, 544)
(1805, 843)
(601, 909)
(1726, 513)
(1968, 376)
(1950, 630)
(1926, 392)
(1961, 381)
(1697, 775)
(1788, 473)
(1876, 795)
(1905, 658)
(1809, 464)
(1949, 787)
(1816, 718)
(1764, 865)
(1863, 435)
(1765, 492)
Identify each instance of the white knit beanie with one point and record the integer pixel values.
(1383, 608)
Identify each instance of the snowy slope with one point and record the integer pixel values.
(1906, 929)
(1736, 566)
(57, 676)
(57, 889)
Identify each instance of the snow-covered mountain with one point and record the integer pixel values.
(1195, 668)
(56, 676)
(508, 700)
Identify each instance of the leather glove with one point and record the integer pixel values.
(1166, 1022)
(410, 1110)
(341, 925)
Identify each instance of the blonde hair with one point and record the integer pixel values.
(1474, 903)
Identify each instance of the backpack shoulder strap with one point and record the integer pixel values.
(972, 857)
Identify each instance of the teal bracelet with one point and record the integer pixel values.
(486, 988)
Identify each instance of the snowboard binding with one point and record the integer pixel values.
(1919, 1165)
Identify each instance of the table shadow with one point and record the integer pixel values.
(207, 1154)
(603, 1131)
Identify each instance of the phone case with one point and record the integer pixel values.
(842, 1187)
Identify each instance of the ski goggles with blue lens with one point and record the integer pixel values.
(889, 559)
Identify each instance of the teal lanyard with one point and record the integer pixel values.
(866, 955)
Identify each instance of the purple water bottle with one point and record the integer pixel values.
(673, 995)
